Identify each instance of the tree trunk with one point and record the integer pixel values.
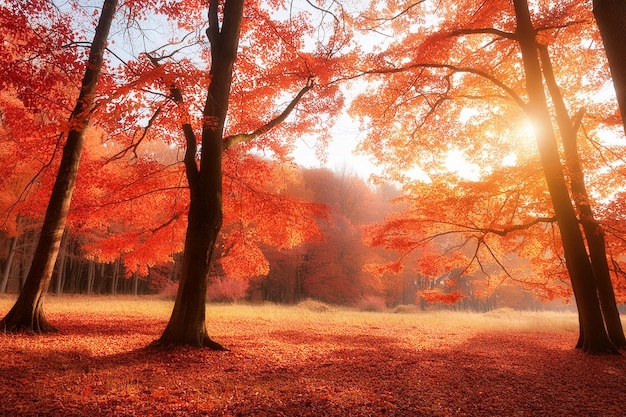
(594, 336)
(4, 280)
(27, 313)
(187, 322)
(115, 276)
(611, 18)
(135, 283)
(60, 265)
(594, 234)
(91, 276)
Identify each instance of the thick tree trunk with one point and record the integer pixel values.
(611, 18)
(594, 336)
(187, 322)
(27, 313)
(594, 234)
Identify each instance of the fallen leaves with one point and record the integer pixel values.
(286, 362)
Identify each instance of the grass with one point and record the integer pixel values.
(506, 320)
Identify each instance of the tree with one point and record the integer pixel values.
(611, 18)
(329, 268)
(465, 71)
(27, 313)
(205, 179)
(593, 337)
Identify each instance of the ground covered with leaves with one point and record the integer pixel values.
(299, 362)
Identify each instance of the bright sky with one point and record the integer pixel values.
(340, 152)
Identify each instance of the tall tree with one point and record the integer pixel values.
(611, 18)
(27, 312)
(593, 337)
(187, 322)
(205, 177)
(593, 230)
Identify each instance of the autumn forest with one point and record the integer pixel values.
(469, 160)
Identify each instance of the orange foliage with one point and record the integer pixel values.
(445, 116)
(438, 296)
(131, 197)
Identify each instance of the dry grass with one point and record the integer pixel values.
(309, 311)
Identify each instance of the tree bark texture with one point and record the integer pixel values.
(594, 338)
(27, 312)
(187, 322)
(611, 18)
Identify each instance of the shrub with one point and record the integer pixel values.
(405, 309)
(227, 289)
(169, 291)
(314, 305)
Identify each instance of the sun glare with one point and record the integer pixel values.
(526, 135)
(457, 163)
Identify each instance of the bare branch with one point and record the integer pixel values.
(455, 69)
(134, 145)
(401, 13)
(247, 137)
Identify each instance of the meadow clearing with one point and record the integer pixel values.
(305, 360)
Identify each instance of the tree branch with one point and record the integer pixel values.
(133, 146)
(191, 168)
(512, 94)
(484, 31)
(518, 227)
(247, 137)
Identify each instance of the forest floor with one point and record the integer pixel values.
(291, 361)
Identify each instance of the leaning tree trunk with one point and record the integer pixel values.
(593, 333)
(611, 18)
(27, 312)
(594, 233)
(187, 322)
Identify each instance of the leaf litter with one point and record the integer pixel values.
(315, 365)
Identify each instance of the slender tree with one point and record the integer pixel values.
(27, 312)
